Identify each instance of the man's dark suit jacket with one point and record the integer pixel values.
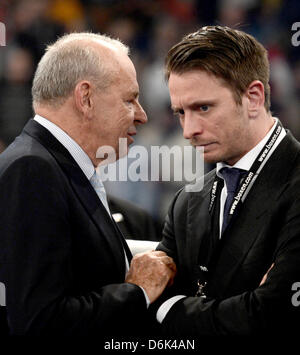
(137, 223)
(61, 256)
(265, 231)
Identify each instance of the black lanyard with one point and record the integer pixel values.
(263, 154)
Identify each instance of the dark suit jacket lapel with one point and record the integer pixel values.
(244, 229)
(83, 190)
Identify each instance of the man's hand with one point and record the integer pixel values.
(153, 271)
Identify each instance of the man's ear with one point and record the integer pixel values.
(82, 96)
(256, 98)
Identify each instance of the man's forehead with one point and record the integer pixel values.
(194, 74)
(196, 81)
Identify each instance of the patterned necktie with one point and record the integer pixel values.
(232, 177)
(100, 190)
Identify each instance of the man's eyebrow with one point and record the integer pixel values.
(133, 95)
(202, 103)
(194, 104)
(174, 108)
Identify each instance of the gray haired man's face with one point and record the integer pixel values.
(117, 110)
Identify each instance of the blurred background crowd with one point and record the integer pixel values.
(150, 28)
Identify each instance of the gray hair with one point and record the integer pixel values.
(72, 58)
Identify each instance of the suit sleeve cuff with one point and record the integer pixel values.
(166, 306)
(146, 297)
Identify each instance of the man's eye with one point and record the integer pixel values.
(179, 113)
(130, 103)
(204, 108)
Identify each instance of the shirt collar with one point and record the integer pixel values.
(79, 155)
(248, 159)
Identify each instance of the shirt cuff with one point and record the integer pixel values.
(166, 306)
(146, 296)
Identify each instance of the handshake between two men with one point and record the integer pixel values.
(152, 271)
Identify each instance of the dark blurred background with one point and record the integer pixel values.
(150, 28)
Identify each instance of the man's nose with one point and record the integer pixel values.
(191, 127)
(140, 115)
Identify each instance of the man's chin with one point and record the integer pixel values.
(211, 159)
(130, 140)
(122, 153)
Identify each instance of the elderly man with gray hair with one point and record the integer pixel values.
(63, 262)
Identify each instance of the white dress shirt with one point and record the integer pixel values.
(78, 154)
(244, 163)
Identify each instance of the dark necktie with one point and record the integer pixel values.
(232, 177)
